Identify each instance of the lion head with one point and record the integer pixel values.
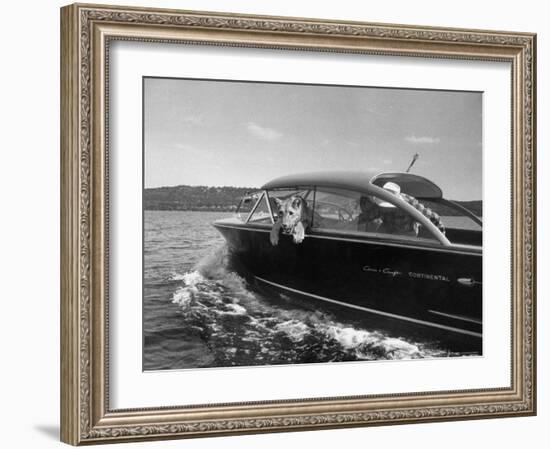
(290, 212)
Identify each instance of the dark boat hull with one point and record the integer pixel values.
(389, 281)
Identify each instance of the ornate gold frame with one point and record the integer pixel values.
(86, 31)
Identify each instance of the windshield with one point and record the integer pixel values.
(261, 213)
(354, 212)
(455, 218)
(246, 204)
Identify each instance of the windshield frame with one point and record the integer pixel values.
(264, 194)
(248, 195)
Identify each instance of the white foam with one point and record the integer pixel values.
(213, 265)
(349, 337)
(296, 330)
(235, 309)
(184, 295)
(398, 349)
(192, 278)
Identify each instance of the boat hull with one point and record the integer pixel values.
(430, 287)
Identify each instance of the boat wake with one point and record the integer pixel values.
(242, 327)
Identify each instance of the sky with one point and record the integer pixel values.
(222, 133)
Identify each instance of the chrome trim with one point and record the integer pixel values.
(460, 249)
(456, 317)
(375, 236)
(268, 199)
(377, 312)
(468, 282)
(457, 249)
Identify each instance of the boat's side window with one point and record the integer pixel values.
(261, 212)
(453, 217)
(353, 212)
(385, 218)
(336, 209)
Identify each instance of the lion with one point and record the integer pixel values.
(294, 217)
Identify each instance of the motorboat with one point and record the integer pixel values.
(431, 278)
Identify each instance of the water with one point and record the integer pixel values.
(199, 313)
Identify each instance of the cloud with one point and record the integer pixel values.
(192, 120)
(185, 147)
(352, 143)
(378, 111)
(387, 162)
(262, 132)
(423, 139)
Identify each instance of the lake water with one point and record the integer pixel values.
(199, 313)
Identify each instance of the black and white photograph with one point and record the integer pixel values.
(303, 223)
(275, 224)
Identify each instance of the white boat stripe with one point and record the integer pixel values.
(378, 312)
(456, 317)
(455, 249)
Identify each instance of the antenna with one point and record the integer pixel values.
(415, 157)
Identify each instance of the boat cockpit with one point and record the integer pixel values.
(345, 206)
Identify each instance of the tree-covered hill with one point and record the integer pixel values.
(200, 198)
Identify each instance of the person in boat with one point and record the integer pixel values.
(383, 217)
(370, 218)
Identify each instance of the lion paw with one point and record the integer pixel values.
(299, 233)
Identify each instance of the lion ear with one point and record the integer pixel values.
(278, 201)
(298, 201)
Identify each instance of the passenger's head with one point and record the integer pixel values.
(393, 188)
(366, 203)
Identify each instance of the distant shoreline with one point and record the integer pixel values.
(221, 199)
(234, 209)
(195, 198)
